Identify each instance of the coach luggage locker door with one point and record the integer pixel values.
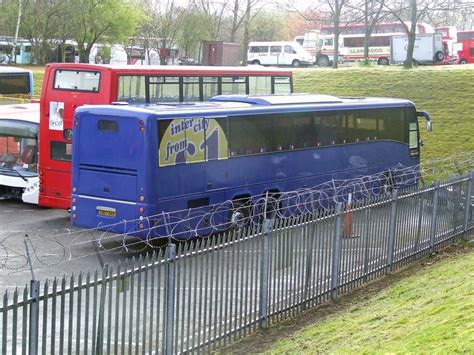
(108, 175)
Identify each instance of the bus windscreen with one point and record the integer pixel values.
(18, 83)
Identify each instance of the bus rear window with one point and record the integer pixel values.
(61, 151)
(107, 125)
(77, 80)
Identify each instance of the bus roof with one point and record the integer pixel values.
(228, 105)
(151, 69)
(8, 69)
(22, 112)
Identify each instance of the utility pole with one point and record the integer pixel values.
(17, 29)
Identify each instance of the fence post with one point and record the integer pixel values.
(434, 216)
(170, 295)
(34, 306)
(264, 274)
(336, 252)
(366, 245)
(467, 204)
(100, 323)
(391, 231)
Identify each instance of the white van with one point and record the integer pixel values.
(278, 53)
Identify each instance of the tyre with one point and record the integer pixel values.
(383, 61)
(256, 62)
(439, 56)
(463, 61)
(239, 215)
(323, 61)
(295, 63)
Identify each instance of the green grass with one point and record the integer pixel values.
(431, 311)
(447, 93)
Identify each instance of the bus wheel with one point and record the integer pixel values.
(439, 56)
(463, 61)
(240, 213)
(296, 63)
(383, 61)
(256, 62)
(323, 61)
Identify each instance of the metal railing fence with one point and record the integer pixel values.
(203, 294)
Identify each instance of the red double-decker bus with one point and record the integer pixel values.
(67, 86)
(466, 53)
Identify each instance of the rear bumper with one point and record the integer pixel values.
(123, 217)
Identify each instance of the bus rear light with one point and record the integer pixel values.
(74, 200)
(141, 198)
(41, 181)
(141, 226)
(41, 172)
(74, 189)
(76, 122)
(73, 208)
(74, 216)
(141, 122)
(142, 129)
(41, 190)
(141, 209)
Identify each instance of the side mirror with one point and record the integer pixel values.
(429, 123)
(429, 126)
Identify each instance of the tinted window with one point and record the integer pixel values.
(108, 126)
(77, 80)
(250, 135)
(15, 84)
(131, 88)
(61, 151)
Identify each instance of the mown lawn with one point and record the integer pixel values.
(446, 92)
(430, 312)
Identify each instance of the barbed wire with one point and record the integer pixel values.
(129, 237)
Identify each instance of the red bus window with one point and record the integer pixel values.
(131, 88)
(61, 151)
(76, 80)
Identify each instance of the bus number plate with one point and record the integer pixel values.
(106, 211)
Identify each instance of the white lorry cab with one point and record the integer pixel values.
(278, 53)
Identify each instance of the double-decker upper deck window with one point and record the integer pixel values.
(77, 80)
(281, 85)
(260, 85)
(164, 89)
(131, 88)
(234, 85)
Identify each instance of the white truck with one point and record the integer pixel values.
(428, 48)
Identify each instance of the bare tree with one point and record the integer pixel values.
(214, 12)
(162, 27)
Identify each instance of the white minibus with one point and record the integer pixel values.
(278, 53)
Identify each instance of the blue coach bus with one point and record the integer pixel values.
(192, 169)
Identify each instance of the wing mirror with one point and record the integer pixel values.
(429, 122)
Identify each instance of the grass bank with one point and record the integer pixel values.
(425, 308)
(446, 92)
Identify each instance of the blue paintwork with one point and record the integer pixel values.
(114, 170)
